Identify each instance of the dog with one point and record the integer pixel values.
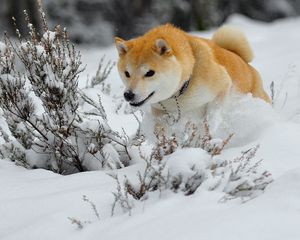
(169, 69)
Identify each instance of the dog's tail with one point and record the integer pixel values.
(234, 40)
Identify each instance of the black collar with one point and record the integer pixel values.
(184, 87)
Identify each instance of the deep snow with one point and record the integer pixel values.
(36, 204)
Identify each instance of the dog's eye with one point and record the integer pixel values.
(127, 74)
(150, 73)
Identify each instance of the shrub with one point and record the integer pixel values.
(41, 106)
(241, 177)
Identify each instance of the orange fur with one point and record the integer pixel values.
(232, 39)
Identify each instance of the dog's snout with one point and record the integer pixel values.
(129, 95)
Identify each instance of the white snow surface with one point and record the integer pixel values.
(36, 204)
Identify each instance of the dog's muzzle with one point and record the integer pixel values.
(137, 104)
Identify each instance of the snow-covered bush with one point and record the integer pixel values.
(41, 107)
(192, 164)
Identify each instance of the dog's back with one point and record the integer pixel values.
(234, 53)
(232, 50)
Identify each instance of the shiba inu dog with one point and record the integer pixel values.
(169, 68)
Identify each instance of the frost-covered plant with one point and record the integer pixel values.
(164, 146)
(241, 177)
(6, 58)
(93, 206)
(203, 139)
(103, 71)
(16, 105)
(272, 92)
(121, 197)
(150, 180)
(80, 224)
(41, 106)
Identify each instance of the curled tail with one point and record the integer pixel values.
(234, 40)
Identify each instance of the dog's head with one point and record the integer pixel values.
(149, 70)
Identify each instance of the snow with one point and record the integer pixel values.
(2, 47)
(49, 36)
(36, 204)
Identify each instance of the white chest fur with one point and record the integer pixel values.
(189, 101)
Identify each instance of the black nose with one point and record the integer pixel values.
(129, 95)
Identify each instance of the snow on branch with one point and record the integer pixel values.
(103, 71)
(41, 105)
(193, 164)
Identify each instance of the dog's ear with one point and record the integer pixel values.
(162, 47)
(121, 46)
